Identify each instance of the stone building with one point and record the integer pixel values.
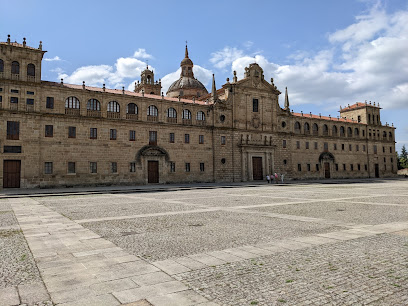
(57, 134)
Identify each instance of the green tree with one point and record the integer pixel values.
(402, 159)
(404, 153)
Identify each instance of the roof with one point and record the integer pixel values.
(186, 83)
(357, 105)
(325, 118)
(126, 93)
(16, 44)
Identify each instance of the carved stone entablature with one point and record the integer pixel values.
(150, 150)
(326, 156)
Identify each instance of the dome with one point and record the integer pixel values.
(186, 61)
(186, 83)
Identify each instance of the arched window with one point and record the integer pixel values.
(334, 130)
(31, 70)
(315, 129)
(390, 135)
(307, 128)
(342, 131)
(325, 130)
(171, 113)
(200, 116)
(349, 132)
(356, 132)
(1, 65)
(72, 102)
(186, 114)
(297, 127)
(152, 111)
(113, 107)
(15, 68)
(93, 104)
(131, 108)
(385, 135)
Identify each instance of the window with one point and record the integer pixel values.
(13, 100)
(334, 130)
(357, 148)
(350, 147)
(14, 90)
(186, 114)
(375, 149)
(342, 146)
(93, 105)
(384, 160)
(222, 118)
(308, 167)
(369, 118)
(200, 116)
(359, 118)
(344, 167)
(93, 167)
(284, 143)
(298, 144)
(255, 105)
(392, 160)
(317, 167)
(113, 134)
(351, 167)
(48, 168)
(172, 167)
(201, 139)
(49, 131)
(132, 167)
(30, 70)
(131, 108)
(171, 113)
(349, 132)
(223, 160)
(201, 167)
(356, 132)
(363, 133)
(335, 146)
(171, 139)
(365, 167)
(342, 131)
(113, 107)
(315, 129)
(299, 167)
(132, 135)
(152, 111)
(390, 135)
(390, 149)
(71, 132)
(1, 65)
(307, 128)
(152, 138)
(13, 130)
(15, 68)
(383, 149)
(297, 127)
(30, 93)
(186, 138)
(223, 140)
(326, 147)
(12, 149)
(337, 167)
(358, 167)
(93, 134)
(30, 101)
(307, 145)
(72, 102)
(283, 124)
(325, 130)
(315, 145)
(285, 161)
(1, 99)
(363, 148)
(114, 167)
(50, 102)
(187, 167)
(71, 167)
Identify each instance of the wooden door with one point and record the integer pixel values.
(377, 170)
(152, 171)
(257, 168)
(326, 170)
(11, 173)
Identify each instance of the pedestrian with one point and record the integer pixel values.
(282, 177)
(276, 177)
(268, 178)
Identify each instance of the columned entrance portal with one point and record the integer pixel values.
(152, 171)
(257, 168)
(11, 173)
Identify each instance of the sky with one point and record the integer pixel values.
(328, 53)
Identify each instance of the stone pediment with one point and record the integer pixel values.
(150, 150)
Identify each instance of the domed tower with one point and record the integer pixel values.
(147, 84)
(187, 86)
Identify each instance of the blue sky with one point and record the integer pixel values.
(328, 53)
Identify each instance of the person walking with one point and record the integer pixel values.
(268, 178)
(276, 178)
(282, 177)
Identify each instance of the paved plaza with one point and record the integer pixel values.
(343, 243)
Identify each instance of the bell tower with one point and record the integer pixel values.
(147, 84)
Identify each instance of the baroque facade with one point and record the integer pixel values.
(57, 134)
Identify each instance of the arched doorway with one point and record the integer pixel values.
(326, 159)
(154, 161)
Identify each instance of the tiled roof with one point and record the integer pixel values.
(127, 93)
(325, 118)
(16, 44)
(357, 105)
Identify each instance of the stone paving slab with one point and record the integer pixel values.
(9, 296)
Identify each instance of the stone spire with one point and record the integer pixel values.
(186, 53)
(286, 99)
(214, 89)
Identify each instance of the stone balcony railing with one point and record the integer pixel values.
(29, 108)
(72, 111)
(113, 115)
(93, 113)
(187, 121)
(201, 122)
(30, 78)
(15, 76)
(132, 116)
(152, 118)
(171, 120)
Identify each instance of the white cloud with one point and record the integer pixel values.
(141, 53)
(54, 59)
(367, 60)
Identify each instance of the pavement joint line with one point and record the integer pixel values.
(81, 275)
(379, 204)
